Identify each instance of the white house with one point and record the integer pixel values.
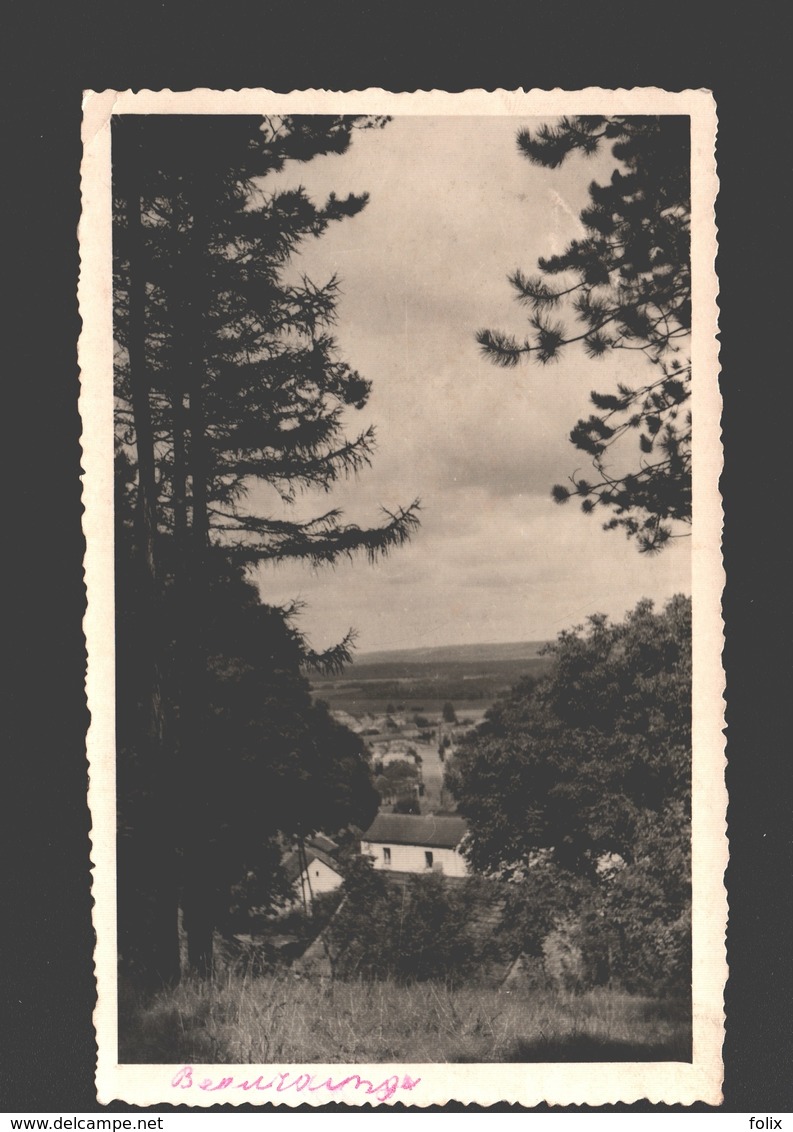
(409, 843)
(319, 874)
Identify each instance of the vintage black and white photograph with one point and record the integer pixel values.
(401, 436)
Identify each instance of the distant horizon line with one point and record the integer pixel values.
(513, 643)
(537, 640)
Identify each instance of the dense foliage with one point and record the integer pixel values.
(411, 933)
(273, 763)
(627, 283)
(577, 789)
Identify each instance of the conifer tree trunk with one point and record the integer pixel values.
(179, 471)
(180, 429)
(180, 531)
(199, 867)
(161, 880)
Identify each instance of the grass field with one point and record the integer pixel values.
(281, 1019)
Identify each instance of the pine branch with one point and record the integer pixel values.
(632, 292)
(331, 661)
(502, 349)
(327, 547)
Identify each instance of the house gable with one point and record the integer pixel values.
(319, 874)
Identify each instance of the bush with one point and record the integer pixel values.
(565, 963)
(410, 934)
(629, 926)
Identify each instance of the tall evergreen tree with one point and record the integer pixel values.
(628, 284)
(243, 371)
(227, 377)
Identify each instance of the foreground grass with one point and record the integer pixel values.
(280, 1019)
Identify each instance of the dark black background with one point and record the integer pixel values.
(52, 54)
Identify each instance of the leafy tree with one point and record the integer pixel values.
(448, 713)
(585, 775)
(227, 378)
(627, 282)
(574, 762)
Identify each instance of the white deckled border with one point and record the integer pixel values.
(530, 1084)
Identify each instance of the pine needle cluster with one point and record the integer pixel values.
(627, 285)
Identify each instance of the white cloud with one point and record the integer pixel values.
(453, 209)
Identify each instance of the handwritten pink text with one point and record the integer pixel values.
(299, 1083)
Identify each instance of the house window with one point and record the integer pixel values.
(428, 859)
(386, 855)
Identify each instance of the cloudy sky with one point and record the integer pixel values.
(453, 209)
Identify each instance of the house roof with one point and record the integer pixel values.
(414, 829)
(325, 844)
(293, 866)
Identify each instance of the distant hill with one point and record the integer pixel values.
(452, 654)
(423, 679)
